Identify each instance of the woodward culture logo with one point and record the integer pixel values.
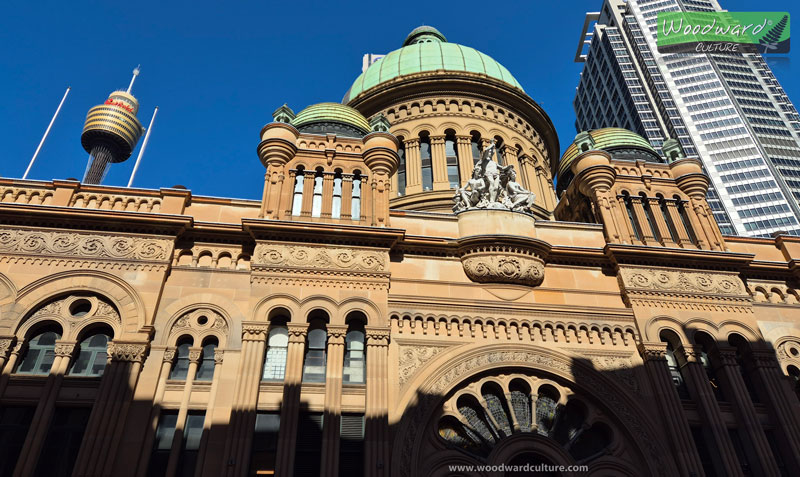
(723, 32)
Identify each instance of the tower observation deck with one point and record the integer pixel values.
(110, 133)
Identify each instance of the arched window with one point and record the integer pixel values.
(451, 153)
(205, 371)
(40, 353)
(355, 204)
(297, 200)
(475, 144)
(648, 213)
(498, 144)
(336, 204)
(315, 361)
(673, 232)
(316, 202)
(687, 224)
(675, 372)
(706, 344)
(181, 367)
(401, 168)
(427, 161)
(744, 364)
(277, 346)
(92, 357)
(354, 359)
(632, 215)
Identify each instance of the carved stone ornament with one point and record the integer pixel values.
(292, 256)
(28, 242)
(493, 186)
(132, 352)
(681, 281)
(200, 320)
(490, 260)
(413, 357)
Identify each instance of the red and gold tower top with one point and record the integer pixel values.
(114, 125)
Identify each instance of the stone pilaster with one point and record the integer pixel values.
(177, 438)
(333, 400)
(755, 439)
(209, 418)
(377, 456)
(413, 167)
(672, 414)
(290, 407)
(29, 456)
(439, 163)
(166, 366)
(465, 162)
(661, 222)
(245, 398)
(709, 409)
(684, 239)
(644, 225)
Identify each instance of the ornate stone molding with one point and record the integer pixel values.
(201, 320)
(5, 346)
(131, 352)
(64, 348)
(377, 337)
(503, 267)
(254, 331)
(297, 332)
(336, 334)
(195, 354)
(91, 246)
(169, 355)
(412, 357)
(283, 256)
(653, 351)
(219, 356)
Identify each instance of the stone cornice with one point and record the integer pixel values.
(322, 233)
(620, 254)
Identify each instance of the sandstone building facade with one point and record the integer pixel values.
(348, 323)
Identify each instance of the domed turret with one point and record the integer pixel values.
(620, 143)
(331, 118)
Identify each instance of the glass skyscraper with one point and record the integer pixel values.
(726, 109)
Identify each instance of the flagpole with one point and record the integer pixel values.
(144, 145)
(41, 143)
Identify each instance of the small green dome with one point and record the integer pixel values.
(330, 113)
(426, 49)
(606, 139)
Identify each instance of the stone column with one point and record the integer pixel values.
(661, 222)
(754, 436)
(209, 419)
(413, 167)
(780, 403)
(626, 219)
(245, 398)
(327, 195)
(29, 456)
(308, 192)
(510, 153)
(678, 432)
(10, 354)
(333, 400)
(347, 197)
(377, 456)
(641, 216)
(158, 398)
(290, 406)
(683, 235)
(439, 163)
(709, 408)
(180, 424)
(114, 396)
(620, 218)
(465, 161)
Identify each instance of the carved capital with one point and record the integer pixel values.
(412, 143)
(132, 352)
(297, 332)
(218, 356)
(691, 353)
(653, 351)
(169, 355)
(726, 356)
(437, 140)
(6, 345)
(336, 334)
(64, 348)
(377, 337)
(464, 140)
(254, 331)
(195, 354)
(764, 358)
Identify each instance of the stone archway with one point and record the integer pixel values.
(453, 371)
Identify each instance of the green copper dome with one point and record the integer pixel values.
(331, 113)
(426, 49)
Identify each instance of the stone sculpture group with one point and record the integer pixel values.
(493, 187)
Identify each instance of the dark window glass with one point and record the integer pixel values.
(425, 157)
(675, 372)
(275, 361)
(14, 424)
(309, 445)
(92, 357)
(63, 441)
(740, 452)
(265, 443)
(181, 367)
(205, 371)
(632, 217)
(192, 433)
(351, 445)
(163, 443)
(452, 162)
(687, 224)
(651, 219)
(476, 149)
(703, 452)
(314, 363)
(673, 232)
(40, 354)
(401, 171)
(354, 369)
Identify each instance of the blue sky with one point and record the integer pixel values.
(217, 70)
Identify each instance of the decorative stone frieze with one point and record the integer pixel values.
(290, 256)
(74, 244)
(412, 357)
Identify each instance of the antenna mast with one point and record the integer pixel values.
(144, 145)
(41, 143)
(135, 74)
